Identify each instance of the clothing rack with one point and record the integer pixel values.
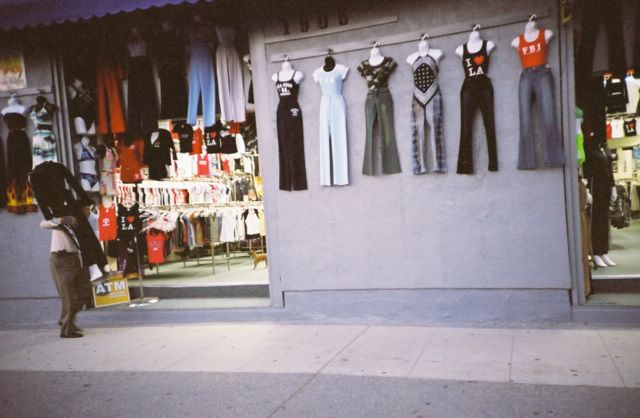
(402, 38)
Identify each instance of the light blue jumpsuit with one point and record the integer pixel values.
(333, 127)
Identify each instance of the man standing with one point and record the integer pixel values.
(67, 272)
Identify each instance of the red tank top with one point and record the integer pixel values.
(203, 165)
(107, 226)
(155, 247)
(533, 54)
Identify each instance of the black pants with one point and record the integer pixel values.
(293, 174)
(173, 92)
(597, 13)
(601, 191)
(142, 103)
(476, 94)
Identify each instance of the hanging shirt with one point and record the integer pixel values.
(203, 165)
(616, 91)
(377, 76)
(534, 53)
(476, 64)
(107, 223)
(131, 158)
(155, 247)
(212, 139)
(633, 94)
(630, 127)
(128, 220)
(196, 143)
(617, 128)
(185, 134)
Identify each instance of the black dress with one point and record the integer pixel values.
(598, 171)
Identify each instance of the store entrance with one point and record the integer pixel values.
(165, 141)
(608, 125)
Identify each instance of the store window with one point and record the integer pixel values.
(165, 142)
(607, 72)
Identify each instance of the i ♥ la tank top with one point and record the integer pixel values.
(475, 65)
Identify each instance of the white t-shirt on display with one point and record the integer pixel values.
(633, 93)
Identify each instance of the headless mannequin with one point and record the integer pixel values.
(73, 91)
(474, 44)
(329, 63)
(41, 102)
(375, 57)
(531, 33)
(423, 51)
(87, 166)
(287, 72)
(14, 106)
(137, 47)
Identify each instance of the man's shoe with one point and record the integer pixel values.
(74, 328)
(72, 335)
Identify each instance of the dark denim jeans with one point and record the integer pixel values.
(538, 82)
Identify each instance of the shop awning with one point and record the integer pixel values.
(19, 14)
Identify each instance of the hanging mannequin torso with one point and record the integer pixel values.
(287, 73)
(475, 44)
(423, 51)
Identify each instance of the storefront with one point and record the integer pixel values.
(446, 231)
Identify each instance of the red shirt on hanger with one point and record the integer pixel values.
(107, 226)
(131, 157)
(534, 53)
(155, 247)
(196, 143)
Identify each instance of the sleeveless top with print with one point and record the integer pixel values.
(425, 81)
(288, 89)
(475, 65)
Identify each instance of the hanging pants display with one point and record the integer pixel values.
(44, 146)
(293, 173)
(379, 107)
(201, 82)
(538, 82)
(230, 84)
(476, 94)
(142, 102)
(109, 100)
(596, 15)
(334, 160)
(425, 120)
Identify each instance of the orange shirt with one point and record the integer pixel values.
(131, 157)
(533, 54)
(196, 143)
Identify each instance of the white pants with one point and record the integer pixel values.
(230, 86)
(333, 141)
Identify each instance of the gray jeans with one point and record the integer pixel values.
(538, 82)
(379, 105)
(428, 136)
(68, 276)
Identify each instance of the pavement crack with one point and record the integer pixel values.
(424, 349)
(612, 358)
(513, 343)
(306, 383)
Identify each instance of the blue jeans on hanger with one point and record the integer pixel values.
(538, 82)
(201, 80)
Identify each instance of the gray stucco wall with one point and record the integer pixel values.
(485, 231)
(24, 247)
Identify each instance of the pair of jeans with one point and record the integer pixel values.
(142, 102)
(597, 13)
(379, 107)
(476, 94)
(293, 172)
(428, 118)
(538, 82)
(201, 80)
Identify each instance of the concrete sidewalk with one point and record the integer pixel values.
(290, 359)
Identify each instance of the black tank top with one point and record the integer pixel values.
(287, 89)
(476, 65)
